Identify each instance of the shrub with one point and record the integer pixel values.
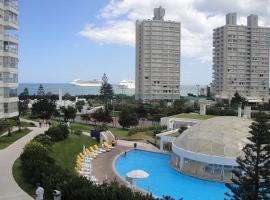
(102, 127)
(32, 124)
(38, 166)
(35, 162)
(58, 133)
(43, 139)
(155, 129)
(78, 132)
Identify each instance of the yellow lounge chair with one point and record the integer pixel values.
(93, 151)
(99, 149)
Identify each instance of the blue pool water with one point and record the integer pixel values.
(164, 180)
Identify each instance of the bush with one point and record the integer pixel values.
(78, 132)
(32, 124)
(220, 112)
(35, 162)
(102, 127)
(43, 139)
(58, 133)
(156, 129)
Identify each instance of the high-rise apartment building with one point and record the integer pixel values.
(241, 59)
(8, 58)
(157, 58)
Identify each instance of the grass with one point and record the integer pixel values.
(6, 140)
(194, 116)
(120, 133)
(17, 174)
(64, 152)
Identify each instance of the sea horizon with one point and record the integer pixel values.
(79, 90)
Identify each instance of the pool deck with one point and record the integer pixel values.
(103, 168)
(102, 165)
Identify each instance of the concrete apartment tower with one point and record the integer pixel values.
(241, 59)
(157, 58)
(8, 58)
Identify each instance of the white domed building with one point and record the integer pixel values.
(209, 149)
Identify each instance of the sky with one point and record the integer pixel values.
(63, 40)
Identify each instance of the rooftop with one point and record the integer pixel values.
(193, 116)
(218, 136)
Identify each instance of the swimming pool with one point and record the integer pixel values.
(164, 180)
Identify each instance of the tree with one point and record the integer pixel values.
(69, 113)
(79, 105)
(179, 105)
(102, 115)
(253, 173)
(40, 91)
(22, 107)
(85, 117)
(141, 111)
(106, 90)
(24, 95)
(6, 125)
(10, 123)
(44, 108)
(57, 133)
(127, 118)
(238, 99)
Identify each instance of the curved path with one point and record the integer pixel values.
(9, 189)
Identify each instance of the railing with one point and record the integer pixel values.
(13, 36)
(10, 50)
(10, 65)
(11, 3)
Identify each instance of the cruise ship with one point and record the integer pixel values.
(90, 83)
(129, 84)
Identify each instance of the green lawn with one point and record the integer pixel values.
(17, 174)
(194, 116)
(6, 140)
(118, 132)
(64, 152)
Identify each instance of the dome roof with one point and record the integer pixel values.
(218, 136)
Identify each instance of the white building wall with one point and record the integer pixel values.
(157, 58)
(8, 58)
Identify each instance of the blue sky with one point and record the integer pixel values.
(63, 40)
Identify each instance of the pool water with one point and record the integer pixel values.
(164, 180)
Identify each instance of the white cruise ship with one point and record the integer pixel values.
(90, 83)
(129, 84)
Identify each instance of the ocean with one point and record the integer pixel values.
(77, 90)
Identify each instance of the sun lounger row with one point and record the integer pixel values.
(83, 165)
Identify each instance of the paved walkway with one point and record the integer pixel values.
(9, 190)
(102, 165)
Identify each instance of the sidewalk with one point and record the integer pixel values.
(9, 190)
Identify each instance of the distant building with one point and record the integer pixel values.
(241, 59)
(157, 58)
(8, 59)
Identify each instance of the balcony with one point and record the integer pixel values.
(10, 20)
(11, 5)
(11, 37)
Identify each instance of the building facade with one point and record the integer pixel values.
(241, 59)
(157, 58)
(8, 58)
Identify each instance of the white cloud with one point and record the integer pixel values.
(113, 32)
(198, 18)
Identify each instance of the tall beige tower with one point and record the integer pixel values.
(157, 58)
(241, 59)
(8, 58)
